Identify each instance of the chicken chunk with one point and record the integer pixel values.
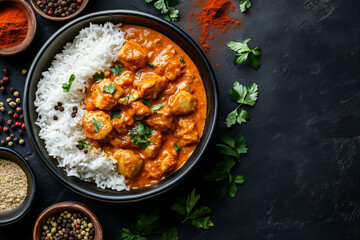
(161, 120)
(124, 79)
(150, 86)
(183, 103)
(168, 161)
(126, 120)
(155, 143)
(189, 138)
(141, 110)
(129, 164)
(97, 125)
(174, 69)
(103, 96)
(121, 141)
(132, 56)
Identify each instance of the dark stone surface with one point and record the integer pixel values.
(303, 164)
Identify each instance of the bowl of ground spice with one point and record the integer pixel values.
(59, 10)
(67, 220)
(17, 26)
(17, 186)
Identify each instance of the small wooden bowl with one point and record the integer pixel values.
(67, 206)
(54, 18)
(25, 7)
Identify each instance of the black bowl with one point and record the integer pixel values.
(55, 44)
(13, 215)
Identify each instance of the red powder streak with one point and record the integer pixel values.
(214, 16)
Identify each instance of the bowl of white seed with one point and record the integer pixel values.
(17, 186)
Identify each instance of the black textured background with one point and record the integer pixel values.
(303, 164)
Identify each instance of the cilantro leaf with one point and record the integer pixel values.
(244, 51)
(66, 86)
(242, 95)
(145, 226)
(166, 7)
(172, 235)
(182, 60)
(98, 76)
(97, 125)
(147, 102)
(143, 134)
(127, 98)
(157, 107)
(188, 88)
(177, 148)
(151, 65)
(245, 5)
(186, 206)
(117, 69)
(115, 113)
(109, 88)
(83, 145)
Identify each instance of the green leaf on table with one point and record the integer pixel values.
(245, 5)
(171, 235)
(244, 52)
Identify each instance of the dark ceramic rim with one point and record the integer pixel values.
(32, 194)
(136, 196)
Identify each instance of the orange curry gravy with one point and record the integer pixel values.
(155, 71)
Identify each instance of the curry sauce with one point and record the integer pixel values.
(148, 111)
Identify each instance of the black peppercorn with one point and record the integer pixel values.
(3, 142)
(55, 118)
(75, 109)
(56, 108)
(21, 132)
(21, 116)
(60, 104)
(11, 112)
(15, 139)
(6, 71)
(12, 135)
(61, 109)
(86, 151)
(1, 121)
(73, 114)
(2, 89)
(13, 126)
(12, 90)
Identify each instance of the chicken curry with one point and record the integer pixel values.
(148, 110)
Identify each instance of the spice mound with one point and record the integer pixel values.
(13, 185)
(67, 225)
(13, 26)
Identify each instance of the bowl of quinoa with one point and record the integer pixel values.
(17, 186)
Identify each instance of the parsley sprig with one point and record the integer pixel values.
(66, 86)
(244, 96)
(167, 8)
(171, 235)
(244, 51)
(185, 206)
(145, 226)
(245, 5)
(231, 148)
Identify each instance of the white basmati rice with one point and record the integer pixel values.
(93, 49)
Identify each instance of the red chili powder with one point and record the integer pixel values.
(214, 16)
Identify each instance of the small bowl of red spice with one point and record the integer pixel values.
(17, 26)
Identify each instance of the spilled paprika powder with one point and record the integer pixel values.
(213, 16)
(13, 26)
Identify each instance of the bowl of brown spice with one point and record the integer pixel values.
(59, 10)
(17, 26)
(17, 186)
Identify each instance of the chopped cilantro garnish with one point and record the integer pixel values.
(157, 107)
(66, 86)
(127, 99)
(182, 60)
(115, 113)
(143, 134)
(83, 145)
(177, 148)
(117, 69)
(151, 65)
(98, 76)
(147, 102)
(109, 88)
(97, 125)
